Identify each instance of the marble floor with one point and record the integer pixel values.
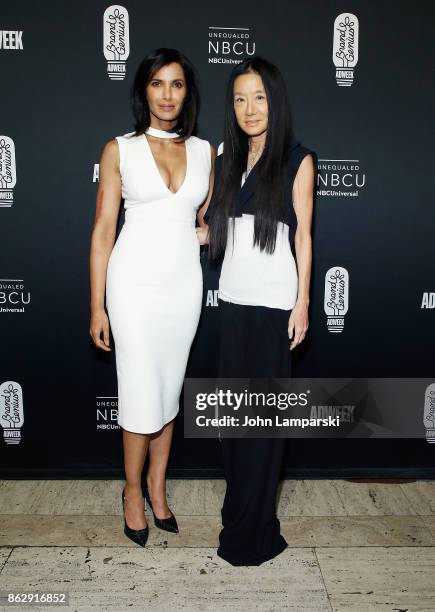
(353, 547)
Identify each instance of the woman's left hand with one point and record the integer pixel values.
(298, 323)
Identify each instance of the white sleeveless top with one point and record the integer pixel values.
(253, 277)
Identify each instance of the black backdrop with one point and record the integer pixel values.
(374, 213)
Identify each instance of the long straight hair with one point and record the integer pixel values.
(272, 174)
(187, 120)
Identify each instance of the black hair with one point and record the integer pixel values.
(272, 176)
(187, 120)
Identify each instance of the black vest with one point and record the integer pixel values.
(245, 203)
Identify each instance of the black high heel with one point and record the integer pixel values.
(138, 536)
(167, 524)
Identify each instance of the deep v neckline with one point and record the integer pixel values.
(173, 193)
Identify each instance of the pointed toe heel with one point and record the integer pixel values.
(138, 536)
(167, 524)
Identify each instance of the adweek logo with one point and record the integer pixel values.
(336, 301)
(429, 413)
(116, 40)
(11, 411)
(428, 300)
(229, 45)
(12, 40)
(211, 298)
(345, 48)
(8, 171)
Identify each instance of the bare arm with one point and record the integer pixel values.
(303, 190)
(202, 230)
(103, 239)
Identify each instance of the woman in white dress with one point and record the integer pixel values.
(151, 276)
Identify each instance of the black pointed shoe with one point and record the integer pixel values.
(138, 536)
(167, 524)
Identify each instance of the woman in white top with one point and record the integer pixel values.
(262, 204)
(152, 274)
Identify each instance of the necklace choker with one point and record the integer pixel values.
(161, 133)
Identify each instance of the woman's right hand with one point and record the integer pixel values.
(100, 324)
(202, 234)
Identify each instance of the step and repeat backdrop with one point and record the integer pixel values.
(360, 86)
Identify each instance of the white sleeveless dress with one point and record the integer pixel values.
(154, 282)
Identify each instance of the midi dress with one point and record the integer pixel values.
(154, 282)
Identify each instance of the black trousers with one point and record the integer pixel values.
(254, 343)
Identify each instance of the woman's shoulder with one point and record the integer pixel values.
(201, 143)
(297, 149)
(298, 152)
(198, 139)
(119, 147)
(128, 137)
(204, 149)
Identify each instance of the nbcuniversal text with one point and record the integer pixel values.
(309, 407)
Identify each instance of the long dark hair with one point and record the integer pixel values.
(186, 123)
(272, 173)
